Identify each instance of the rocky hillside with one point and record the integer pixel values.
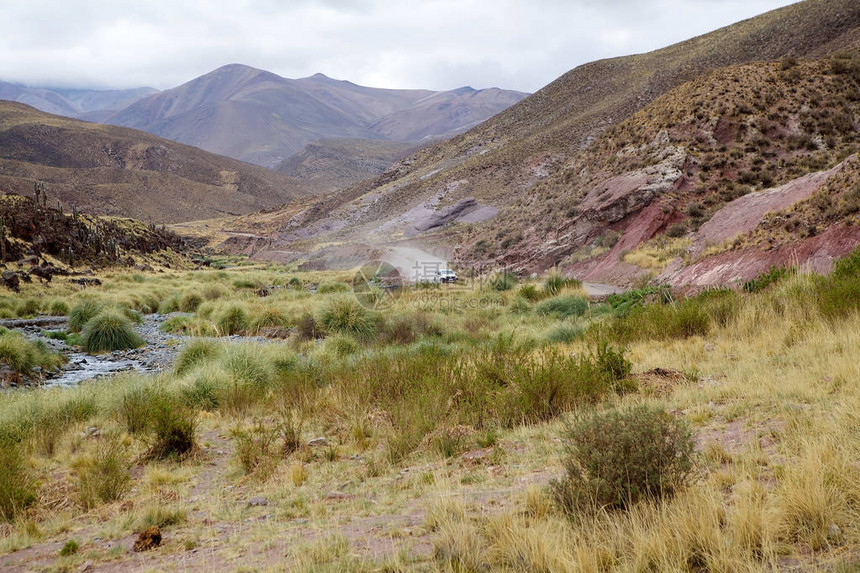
(118, 171)
(260, 117)
(620, 155)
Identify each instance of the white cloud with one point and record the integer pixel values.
(437, 44)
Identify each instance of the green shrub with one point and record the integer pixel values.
(202, 392)
(562, 306)
(103, 477)
(503, 281)
(616, 457)
(345, 315)
(194, 353)
(623, 303)
(17, 484)
(519, 306)
(82, 313)
(232, 319)
(170, 304)
(342, 345)
(109, 331)
(70, 547)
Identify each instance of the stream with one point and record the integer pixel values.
(156, 356)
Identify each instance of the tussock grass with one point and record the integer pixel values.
(108, 331)
(82, 313)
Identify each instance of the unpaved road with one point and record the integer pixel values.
(414, 264)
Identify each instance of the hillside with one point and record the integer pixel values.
(257, 116)
(118, 171)
(331, 164)
(542, 162)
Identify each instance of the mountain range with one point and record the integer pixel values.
(263, 118)
(628, 153)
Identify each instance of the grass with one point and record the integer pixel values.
(109, 331)
(458, 410)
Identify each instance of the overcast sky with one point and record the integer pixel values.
(434, 44)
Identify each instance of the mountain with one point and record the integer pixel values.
(257, 116)
(110, 170)
(614, 154)
(91, 105)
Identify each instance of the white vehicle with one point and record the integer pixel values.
(445, 276)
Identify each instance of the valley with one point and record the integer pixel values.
(225, 346)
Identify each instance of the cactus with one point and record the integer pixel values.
(71, 257)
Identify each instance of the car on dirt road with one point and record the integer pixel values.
(445, 276)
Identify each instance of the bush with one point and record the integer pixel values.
(615, 458)
(17, 485)
(564, 333)
(562, 306)
(82, 313)
(345, 315)
(233, 319)
(109, 331)
(256, 447)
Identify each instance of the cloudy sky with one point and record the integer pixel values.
(435, 44)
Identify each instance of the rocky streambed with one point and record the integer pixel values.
(156, 355)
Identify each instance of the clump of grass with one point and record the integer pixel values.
(58, 307)
(616, 457)
(232, 319)
(333, 287)
(173, 427)
(530, 293)
(566, 333)
(22, 355)
(342, 345)
(103, 475)
(555, 283)
(256, 447)
(194, 353)
(17, 484)
(562, 306)
(82, 313)
(345, 315)
(190, 301)
(109, 331)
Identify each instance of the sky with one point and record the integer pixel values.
(430, 44)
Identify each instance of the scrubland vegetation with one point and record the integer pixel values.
(514, 427)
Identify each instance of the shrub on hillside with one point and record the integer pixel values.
(109, 331)
(617, 457)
